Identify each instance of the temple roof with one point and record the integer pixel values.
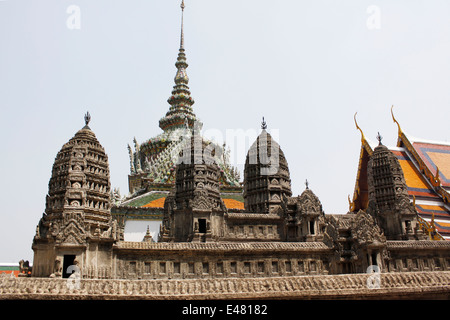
(155, 199)
(428, 187)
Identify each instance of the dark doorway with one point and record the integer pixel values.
(202, 225)
(374, 259)
(311, 228)
(68, 261)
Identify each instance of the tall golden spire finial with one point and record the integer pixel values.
(182, 25)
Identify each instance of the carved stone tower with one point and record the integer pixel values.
(195, 211)
(388, 196)
(77, 218)
(306, 221)
(266, 175)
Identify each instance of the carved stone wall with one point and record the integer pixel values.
(408, 285)
(219, 260)
(253, 227)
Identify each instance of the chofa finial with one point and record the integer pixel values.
(87, 118)
(358, 128)
(396, 122)
(263, 124)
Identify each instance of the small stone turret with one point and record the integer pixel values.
(77, 214)
(388, 196)
(266, 175)
(195, 210)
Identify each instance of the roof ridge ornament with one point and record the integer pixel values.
(87, 118)
(400, 132)
(395, 121)
(358, 128)
(379, 138)
(263, 124)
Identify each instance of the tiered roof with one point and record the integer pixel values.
(426, 166)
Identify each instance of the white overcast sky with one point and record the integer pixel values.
(306, 66)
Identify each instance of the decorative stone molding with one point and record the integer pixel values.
(419, 244)
(350, 286)
(218, 246)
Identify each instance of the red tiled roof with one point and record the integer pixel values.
(435, 156)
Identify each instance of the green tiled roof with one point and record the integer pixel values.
(8, 268)
(234, 196)
(146, 199)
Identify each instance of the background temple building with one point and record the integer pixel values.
(153, 162)
(426, 166)
(397, 221)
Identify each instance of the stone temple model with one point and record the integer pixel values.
(278, 244)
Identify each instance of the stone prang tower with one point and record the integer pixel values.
(388, 196)
(77, 219)
(266, 175)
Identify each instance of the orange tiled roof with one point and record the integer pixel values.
(416, 183)
(233, 204)
(158, 203)
(15, 272)
(435, 156)
(229, 203)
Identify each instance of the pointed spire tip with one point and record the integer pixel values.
(263, 124)
(182, 25)
(379, 138)
(87, 118)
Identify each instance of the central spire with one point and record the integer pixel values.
(181, 102)
(182, 25)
